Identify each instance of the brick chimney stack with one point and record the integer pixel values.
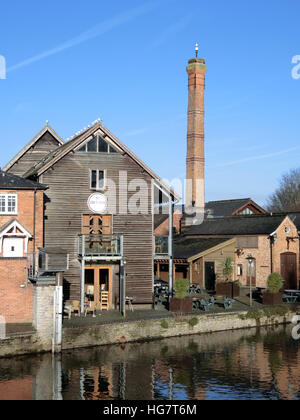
(195, 187)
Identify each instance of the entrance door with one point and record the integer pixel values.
(98, 279)
(210, 276)
(288, 262)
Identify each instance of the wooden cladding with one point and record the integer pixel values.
(96, 224)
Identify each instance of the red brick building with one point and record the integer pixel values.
(21, 233)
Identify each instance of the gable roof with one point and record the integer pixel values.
(15, 182)
(238, 225)
(185, 248)
(49, 160)
(224, 208)
(31, 143)
(13, 223)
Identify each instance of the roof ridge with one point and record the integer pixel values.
(230, 200)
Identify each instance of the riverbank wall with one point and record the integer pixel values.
(143, 330)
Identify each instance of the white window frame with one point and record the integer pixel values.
(97, 179)
(6, 196)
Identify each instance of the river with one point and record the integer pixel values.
(243, 364)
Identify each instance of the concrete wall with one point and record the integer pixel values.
(43, 314)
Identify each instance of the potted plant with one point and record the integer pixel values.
(273, 296)
(181, 302)
(227, 287)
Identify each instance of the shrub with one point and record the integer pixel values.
(277, 311)
(193, 322)
(253, 314)
(181, 287)
(275, 282)
(228, 269)
(164, 324)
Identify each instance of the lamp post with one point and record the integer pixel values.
(250, 260)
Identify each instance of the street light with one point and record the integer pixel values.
(250, 260)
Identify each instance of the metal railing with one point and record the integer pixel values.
(32, 265)
(100, 245)
(161, 245)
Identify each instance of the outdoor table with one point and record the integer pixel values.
(292, 295)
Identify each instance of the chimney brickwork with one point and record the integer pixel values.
(195, 165)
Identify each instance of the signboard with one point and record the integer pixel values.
(97, 203)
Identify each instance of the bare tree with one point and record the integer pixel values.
(287, 197)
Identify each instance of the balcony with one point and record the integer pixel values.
(161, 248)
(100, 245)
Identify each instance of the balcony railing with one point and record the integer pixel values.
(161, 247)
(100, 245)
(32, 265)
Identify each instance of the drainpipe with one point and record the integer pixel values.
(34, 230)
(272, 240)
(171, 262)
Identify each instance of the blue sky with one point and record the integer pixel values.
(124, 61)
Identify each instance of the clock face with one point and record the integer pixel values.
(97, 203)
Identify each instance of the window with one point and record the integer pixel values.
(247, 211)
(97, 179)
(240, 270)
(97, 145)
(8, 204)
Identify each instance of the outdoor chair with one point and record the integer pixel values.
(91, 307)
(199, 290)
(206, 305)
(159, 301)
(196, 304)
(212, 300)
(76, 306)
(68, 310)
(228, 303)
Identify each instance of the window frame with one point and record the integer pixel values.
(6, 197)
(98, 188)
(109, 147)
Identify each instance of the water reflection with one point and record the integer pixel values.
(252, 364)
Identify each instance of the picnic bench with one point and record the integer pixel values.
(291, 296)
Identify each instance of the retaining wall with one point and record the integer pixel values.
(121, 333)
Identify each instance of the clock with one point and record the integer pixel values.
(97, 203)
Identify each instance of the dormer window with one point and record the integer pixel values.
(97, 145)
(8, 204)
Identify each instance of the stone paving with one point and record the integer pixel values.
(106, 317)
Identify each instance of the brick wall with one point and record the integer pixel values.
(262, 254)
(25, 214)
(15, 302)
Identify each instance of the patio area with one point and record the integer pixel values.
(240, 304)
